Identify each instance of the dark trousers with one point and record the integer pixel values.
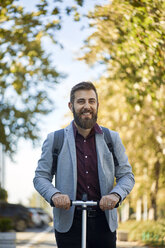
(98, 234)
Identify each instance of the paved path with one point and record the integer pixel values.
(45, 239)
(121, 244)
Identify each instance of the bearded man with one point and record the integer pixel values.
(85, 165)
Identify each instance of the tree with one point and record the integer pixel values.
(129, 40)
(26, 71)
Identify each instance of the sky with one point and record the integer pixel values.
(19, 174)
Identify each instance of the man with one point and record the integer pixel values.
(85, 165)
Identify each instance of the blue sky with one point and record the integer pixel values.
(19, 175)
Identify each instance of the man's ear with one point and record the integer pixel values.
(70, 106)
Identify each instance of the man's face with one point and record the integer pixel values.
(85, 108)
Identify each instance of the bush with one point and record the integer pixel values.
(3, 194)
(147, 232)
(5, 225)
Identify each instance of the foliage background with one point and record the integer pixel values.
(27, 73)
(130, 42)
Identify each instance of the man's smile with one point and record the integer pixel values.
(86, 114)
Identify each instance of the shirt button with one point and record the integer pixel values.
(86, 172)
(86, 156)
(84, 140)
(88, 187)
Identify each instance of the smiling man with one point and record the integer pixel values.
(85, 165)
(84, 106)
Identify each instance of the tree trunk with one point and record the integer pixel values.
(154, 189)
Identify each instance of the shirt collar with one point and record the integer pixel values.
(96, 129)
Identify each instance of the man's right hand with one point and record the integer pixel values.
(61, 201)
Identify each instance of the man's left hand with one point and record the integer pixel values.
(108, 202)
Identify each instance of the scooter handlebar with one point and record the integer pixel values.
(84, 203)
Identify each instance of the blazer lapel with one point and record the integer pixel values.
(104, 167)
(100, 158)
(72, 149)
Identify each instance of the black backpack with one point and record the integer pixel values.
(58, 143)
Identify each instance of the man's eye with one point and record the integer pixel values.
(92, 101)
(81, 101)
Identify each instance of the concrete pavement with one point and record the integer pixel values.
(126, 244)
(45, 238)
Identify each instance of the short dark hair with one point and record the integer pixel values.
(82, 86)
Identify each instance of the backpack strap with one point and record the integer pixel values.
(108, 140)
(56, 148)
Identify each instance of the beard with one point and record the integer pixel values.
(85, 123)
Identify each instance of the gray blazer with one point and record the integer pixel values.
(66, 176)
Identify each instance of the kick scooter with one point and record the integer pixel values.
(84, 205)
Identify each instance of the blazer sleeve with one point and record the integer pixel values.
(123, 171)
(43, 178)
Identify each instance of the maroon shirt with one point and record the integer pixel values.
(87, 171)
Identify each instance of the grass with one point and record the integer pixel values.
(147, 232)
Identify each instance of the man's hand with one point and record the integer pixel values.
(61, 201)
(108, 202)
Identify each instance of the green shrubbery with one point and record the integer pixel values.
(148, 232)
(3, 194)
(5, 225)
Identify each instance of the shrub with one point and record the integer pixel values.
(147, 232)
(3, 194)
(5, 225)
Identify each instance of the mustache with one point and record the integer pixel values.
(86, 111)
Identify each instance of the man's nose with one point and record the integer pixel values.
(87, 105)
